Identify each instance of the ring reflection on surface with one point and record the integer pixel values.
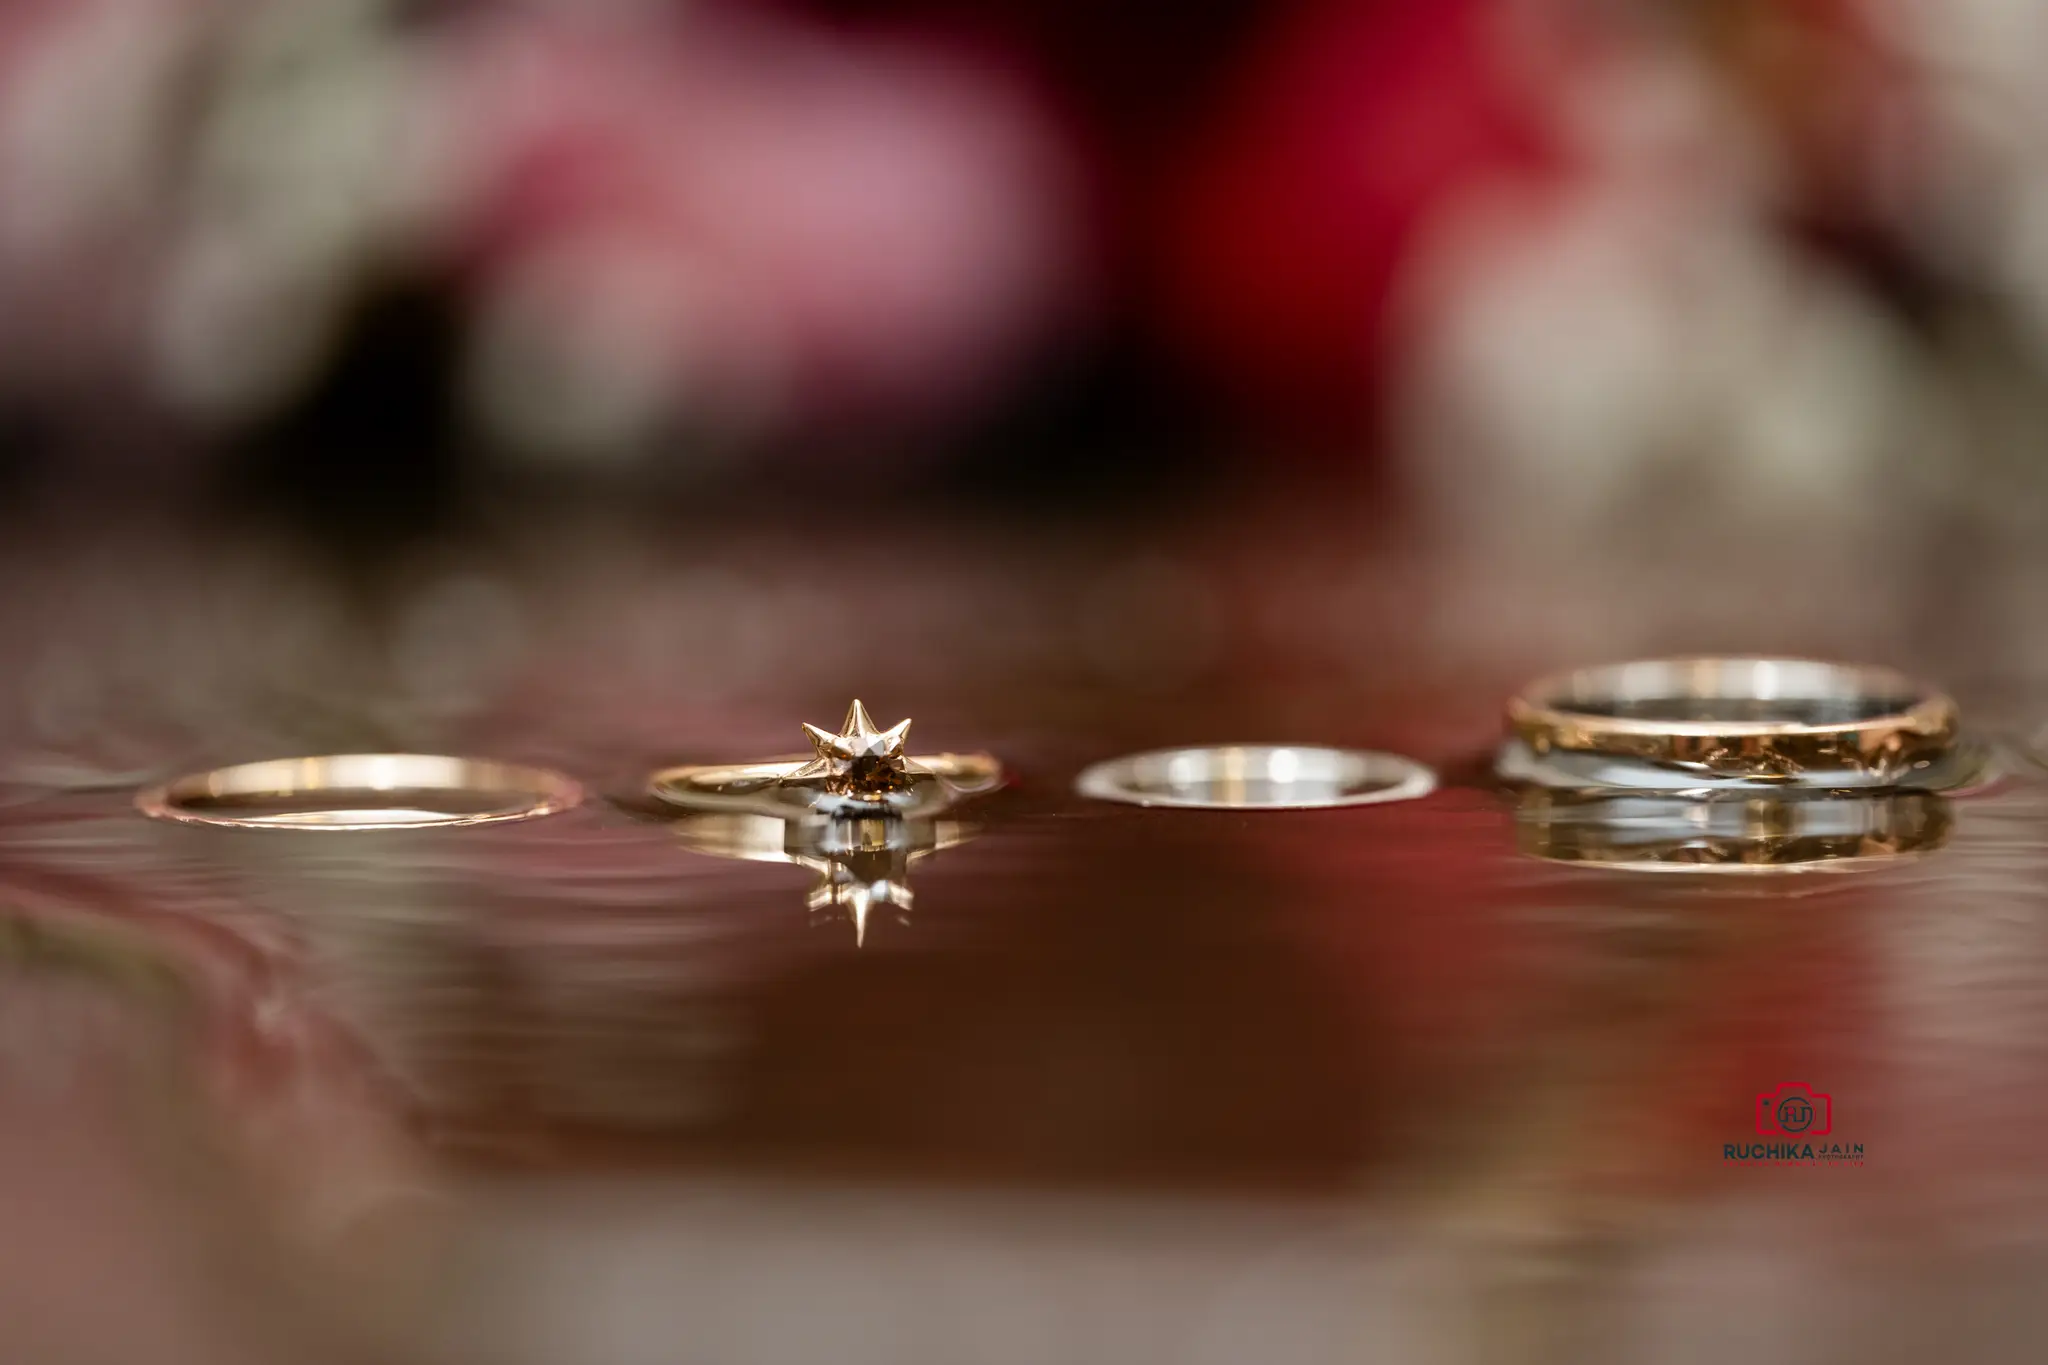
(857, 866)
(362, 792)
(1257, 777)
(1731, 834)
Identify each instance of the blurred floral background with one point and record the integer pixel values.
(1482, 253)
(1474, 337)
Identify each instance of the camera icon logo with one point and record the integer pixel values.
(1794, 1110)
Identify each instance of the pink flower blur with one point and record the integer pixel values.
(790, 224)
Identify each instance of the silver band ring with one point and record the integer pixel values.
(1257, 777)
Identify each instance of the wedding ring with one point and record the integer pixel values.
(860, 772)
(1257, 777)
(362, 792)
(1761, 720)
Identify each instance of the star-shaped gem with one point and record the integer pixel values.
(860, 760)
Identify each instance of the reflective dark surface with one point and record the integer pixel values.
(1127, 1085)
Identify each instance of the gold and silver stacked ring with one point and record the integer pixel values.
(1743, 720)
(860, 772)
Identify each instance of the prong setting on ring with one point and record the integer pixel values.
(860, 762)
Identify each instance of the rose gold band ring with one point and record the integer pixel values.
(362, 792)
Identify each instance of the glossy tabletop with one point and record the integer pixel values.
(1114, 1084)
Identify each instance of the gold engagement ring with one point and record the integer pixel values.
(857, 772)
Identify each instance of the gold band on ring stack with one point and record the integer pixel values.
(1765, 720)
(362, 792)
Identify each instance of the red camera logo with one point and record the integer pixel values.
(1794, 1110)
